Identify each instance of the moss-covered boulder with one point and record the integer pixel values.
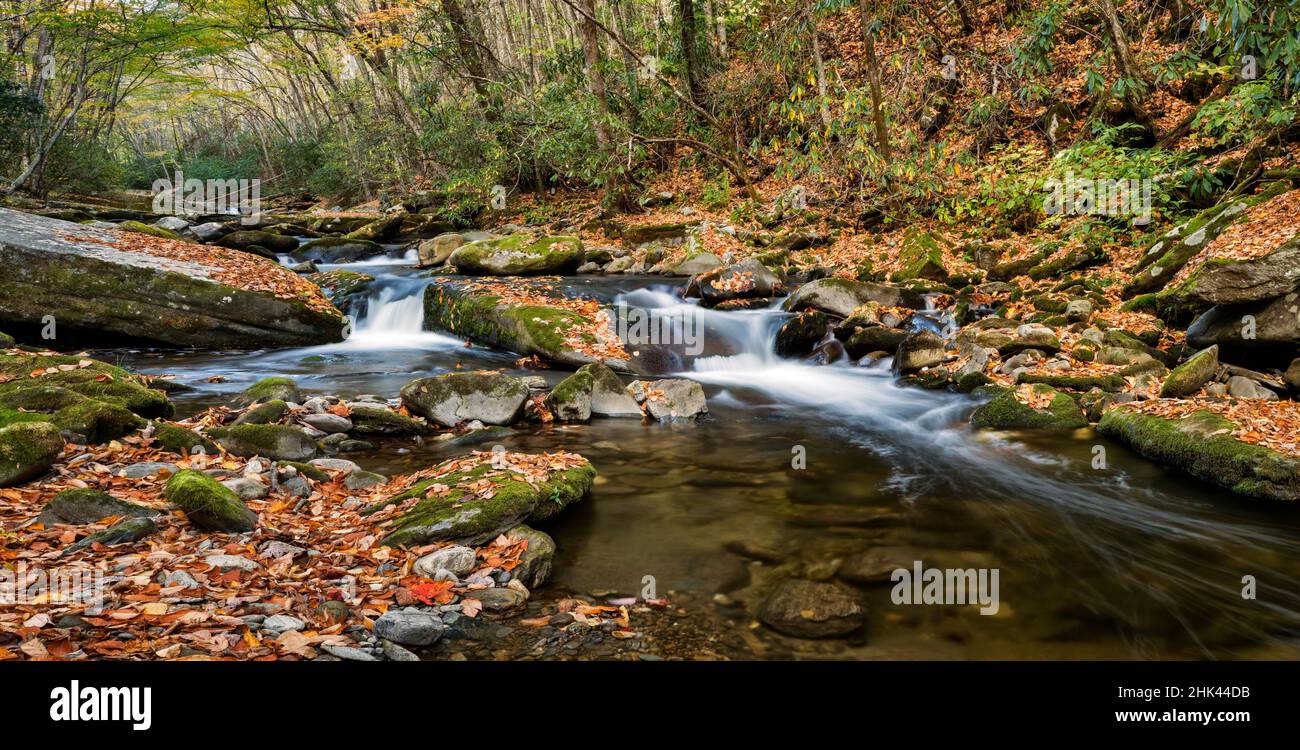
(1202, 445)
(379, 229)
(373, 420)
(458, 514)
(273, 441)
(84, 376)
(98, 421)
(1036, 406)
(534, 566)
(248, 238)
(1187, 378)
(79, 506)
(570, 399)
(490, 398)
(267, 412)
(181, 440)
(104, 283)
(921, 257)
(139, 227)
(271, 389)
(209, 504)
(518, 255)
(840, 297)
(27, 450)
(671, 399)
(127, 531)
(669, 232)
(554, 333)
(6, 341)
(336, 250)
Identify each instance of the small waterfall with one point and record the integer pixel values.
(393, 317)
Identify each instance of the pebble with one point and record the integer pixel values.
(283, 623)
(181, 578)
(247, 487)
(394, 652)
(456, 559)
(347, 653)
(146, 469)
(329, 424)
(335, 464)
(231, 562)
(409, 627)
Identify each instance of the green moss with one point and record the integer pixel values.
(142, 228)
(124, 532)
(98, 421)
(98, 380)
(340, 283)
(519, 255)
(274, 441)
(44, 398)
(314, 473)
(566, 398)
(85, 505)
(13, 416)
(373, 420)
(268, 412)
(6, 341)
(209, 504)
(1112, 383)
(1005, 411)
(463, 517)
(921, 257)
(272, 388)
(181, 440)
(1202, 445)
(27, 450)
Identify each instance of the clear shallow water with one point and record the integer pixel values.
(1130, 561)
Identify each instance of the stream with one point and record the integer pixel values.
(1126, 561)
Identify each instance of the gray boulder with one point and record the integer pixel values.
(490, 398)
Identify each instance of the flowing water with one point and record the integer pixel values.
(1125, 560)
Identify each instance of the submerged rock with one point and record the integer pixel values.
(1202, 445)
(671, 400)
(490, 398)
(271, 389)
(102, 283)
(805, 609)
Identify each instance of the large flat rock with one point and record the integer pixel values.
(97, 281)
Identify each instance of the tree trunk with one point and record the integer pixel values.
(873, 72)
(690, 57)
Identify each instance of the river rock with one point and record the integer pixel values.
(499, 601)
(328, 423)
(1243, 387)
(491, 398)
(518, 255)
(875, 566)
(337, 250)
(534, 566)
(671, 400)
(123, 532)
(246, 239)
(100, 284)
(270, 389)
(840, 297)
(27, 450)
(1268, 325)
(798, 335)
(918, 352)
(1187, 378)
(456, 559)
(1007, 412)
(805, 609)
(409, 627)
(248, 488)
(1292, 375)
(267, 412)
(282, 623)
(747, 279)
(1202, 445)
(697, 264)
(378, 230)
(436, 251)
(460, 516)
(375, 420)
(274, 441)
(530, 329)
(207, 504)
(81, 506)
